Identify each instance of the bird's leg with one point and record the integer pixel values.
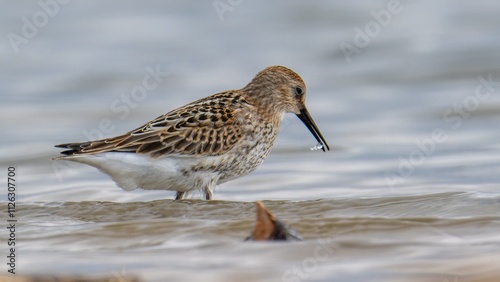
(208, 194)
(179, 195)
(209, 188)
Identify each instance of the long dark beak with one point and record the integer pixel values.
(306, 118)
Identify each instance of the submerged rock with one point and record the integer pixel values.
(269, 228)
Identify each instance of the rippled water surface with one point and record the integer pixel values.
(410, 191)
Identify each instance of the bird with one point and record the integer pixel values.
(207, 142)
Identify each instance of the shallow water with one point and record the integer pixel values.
(410, 191)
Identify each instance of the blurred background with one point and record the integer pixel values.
(406, 92)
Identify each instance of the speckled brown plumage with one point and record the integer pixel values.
(207, 127)
(226, 135)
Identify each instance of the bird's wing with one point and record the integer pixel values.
(207, 127)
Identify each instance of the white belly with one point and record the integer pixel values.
(131, 171)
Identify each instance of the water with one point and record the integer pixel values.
(409, 192)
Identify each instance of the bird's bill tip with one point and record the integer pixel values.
(308, 121)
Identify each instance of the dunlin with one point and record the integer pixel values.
(207, 142)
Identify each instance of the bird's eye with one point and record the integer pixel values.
(298, 91)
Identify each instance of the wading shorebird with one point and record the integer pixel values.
(207, 142)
